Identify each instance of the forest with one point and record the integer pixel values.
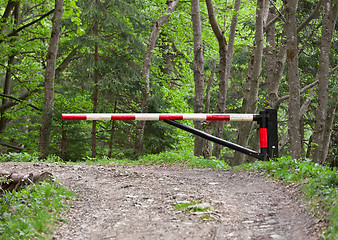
(172, 56)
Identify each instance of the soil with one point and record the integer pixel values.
(138, 202)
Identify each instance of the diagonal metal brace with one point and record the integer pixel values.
(217, 140)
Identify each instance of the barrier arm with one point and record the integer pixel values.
(266, 119)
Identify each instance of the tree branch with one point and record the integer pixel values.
(279, 12)
(5, 15)
(333, 69)
(281, 99)
(11, 146)
(66, 61)
(310, 17)
(303, 108)
(19, 100)
(272, 21)
(308, 38)
(24, 96)
(16, 31)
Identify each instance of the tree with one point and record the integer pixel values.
(225, 61)
(293, 78)
(47, 118)
(8, 77)
(96, 81)
(198, 70)
(146, 68)
(250, 98)
(330, 13)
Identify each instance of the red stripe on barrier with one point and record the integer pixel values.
(73, 117)
(263, 132)
(123, 117)
(171, 117)
(218, 117)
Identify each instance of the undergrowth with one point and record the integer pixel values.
(33, 212)
(27, 157)
(317, 183)
(172, 158)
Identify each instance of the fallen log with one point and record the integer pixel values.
(11, 181)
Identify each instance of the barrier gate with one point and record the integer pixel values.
(266, 119)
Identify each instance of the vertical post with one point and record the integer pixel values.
(263, 134)
(271, 115)
(268, 133)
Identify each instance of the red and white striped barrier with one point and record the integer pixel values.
(266, 119)
(159, 116)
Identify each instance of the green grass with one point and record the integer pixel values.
(26, 157)
(183, 206)
(318, 185)
(33, 212)
(172, 158)
(192, 206)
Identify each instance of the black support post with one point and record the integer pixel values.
(271, 115)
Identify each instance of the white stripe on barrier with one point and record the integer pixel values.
(98, 116)
(241, 117)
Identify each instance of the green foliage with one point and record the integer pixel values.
(169, 158)
(319, 185)
(18, 157)
(33, 212)
(190, 206)
(182, 159)
(28, 157)
(193, 207)
(123, 31)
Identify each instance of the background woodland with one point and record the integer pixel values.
(130, 56)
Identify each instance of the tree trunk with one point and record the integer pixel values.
(146, 69)
(252, 83)
(63, 144)
(112, 131)
(96, 92)
(223, 85)
(8, 77)
(10, 5)
(198, 71)
(328, 132)
(223, 78)
(7, 91)
(11, 181)
(47, 118)
(207, 145)
(275, 59)
(302, 111)
(293, 78)
(209, 85)
(330, 12)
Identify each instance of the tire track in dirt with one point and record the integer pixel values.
(118, 202)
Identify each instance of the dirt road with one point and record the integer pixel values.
(116, 202)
